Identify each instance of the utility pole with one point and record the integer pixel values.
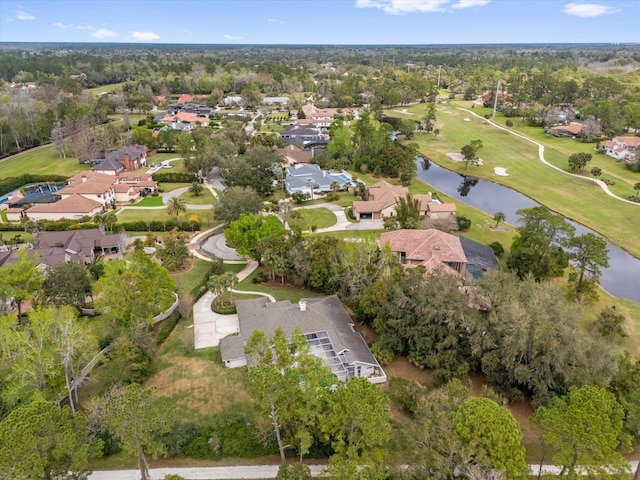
(439, 73)
(495, 101)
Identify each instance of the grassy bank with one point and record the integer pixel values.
(578, 199)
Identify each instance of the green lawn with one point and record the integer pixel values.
(187, 280)
(279, 293)
(97, 91)
(308, 218)
(205, 197)
(43, 160)
(170, 187)
(24, 236)
(575, 198)
(148, 202)
(134, 215)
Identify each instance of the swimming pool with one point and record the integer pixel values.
(344, 177)
(43, 188)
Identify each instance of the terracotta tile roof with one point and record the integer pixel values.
(573, 127)
(184, 117)
(418, 245)
(122, 187)
(296, 154)
(383, 195)
(185, 98)
(442, 207)
(72, 204)
(88, 183)
(629, 141)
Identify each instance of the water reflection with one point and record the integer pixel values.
(621, 279)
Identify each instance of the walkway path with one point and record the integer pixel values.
(244, 472)
(600, 183)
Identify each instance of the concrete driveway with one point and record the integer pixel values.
(210, 327)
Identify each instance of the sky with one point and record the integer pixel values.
(326, 22)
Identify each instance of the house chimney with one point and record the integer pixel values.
(435, 252)
(303, 305)
(84, 178)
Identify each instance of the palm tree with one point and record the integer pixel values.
(499, 217)
(176, 207)
(196, 188)
(636, 187)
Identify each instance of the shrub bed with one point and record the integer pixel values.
(173, 177)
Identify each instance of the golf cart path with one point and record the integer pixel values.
(600, 183)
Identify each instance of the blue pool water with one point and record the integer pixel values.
(344, 178)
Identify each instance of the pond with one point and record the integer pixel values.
(621, 279)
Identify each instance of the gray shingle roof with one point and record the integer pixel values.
(322, 314)
(478, 254)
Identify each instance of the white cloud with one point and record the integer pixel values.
(65, 26)
(232, 37)
(104, 33)
(399, 7)
(469, 3)
(274, 20)
(145, 36)
(22, 14)
(587, 10)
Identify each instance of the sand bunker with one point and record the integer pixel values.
(501, 172)
(404, 110)
(458, 157)
(467, 119)
(447, 111)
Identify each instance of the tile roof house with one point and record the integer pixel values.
(621, 147)
(324, 322)
(570, 130)
(92, 185)
(181, 118)
(71, 206)
(294, 154)
(432, 249)
(310, 178)
(382, 198)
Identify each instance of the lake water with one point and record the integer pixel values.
(621, 279)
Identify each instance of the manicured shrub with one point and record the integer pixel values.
(497, 248)
(173, 177)
(463, 223)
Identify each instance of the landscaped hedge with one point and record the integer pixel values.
(50, 226)
(157, 226)
(173, 177)
(12, 183)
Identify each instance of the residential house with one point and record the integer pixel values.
(323, 321)
(130, 157)
(570, 130)
(93, 186)
(173, 120)
(132, 185)
(232, 101)
(77, 246)
(293, 154)
(310, 178)
(72, 206)
(195, 108)
(276, 100)
(621, 148)
(304, 134)
(431, 249)
(382, 198)
(17, 206)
